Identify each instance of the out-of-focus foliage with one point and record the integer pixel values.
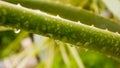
(6, 37)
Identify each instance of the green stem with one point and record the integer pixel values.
(71, 13)
(14, 45)
(61, 29)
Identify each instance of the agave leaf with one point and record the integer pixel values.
(61, 29)
(69, 12)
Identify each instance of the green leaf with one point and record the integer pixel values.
(61, 29)
(69, 12)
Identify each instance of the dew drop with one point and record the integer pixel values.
(17, 31)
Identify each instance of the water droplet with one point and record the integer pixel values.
(17, 31)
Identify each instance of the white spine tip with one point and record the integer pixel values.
(92, 25)
(116, 32)
(19, 5)
(78, 22)
(17, 31)
(106, 29)
(58, 16)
